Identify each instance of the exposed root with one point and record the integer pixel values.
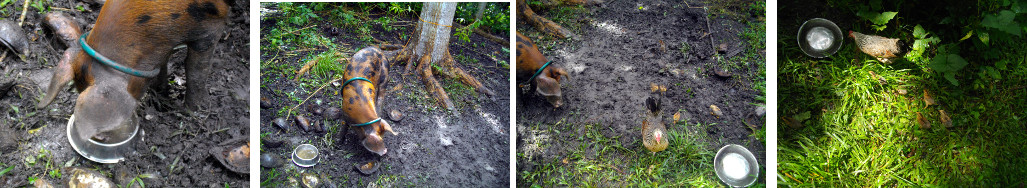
(542, 23)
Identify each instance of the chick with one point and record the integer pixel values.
(653, 130)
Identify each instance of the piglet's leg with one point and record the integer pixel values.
(197, 69)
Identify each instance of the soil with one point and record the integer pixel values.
(618, 56)
(173, 137)
(434, 148)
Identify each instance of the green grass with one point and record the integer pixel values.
(862, 133)
(595, 159)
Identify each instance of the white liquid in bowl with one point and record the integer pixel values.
(735, 166)
(820, 38)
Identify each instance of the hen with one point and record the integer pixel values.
(653, 130)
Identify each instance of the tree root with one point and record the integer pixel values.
(542, 23)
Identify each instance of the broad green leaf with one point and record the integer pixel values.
(880, 27)
(1003, 21)
(1001, 65)
(952, 78)
(877, 18)
(919, 32)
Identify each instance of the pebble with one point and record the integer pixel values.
(395, 115)
(270, 160)
(265, 103)
(761, 111)
(446, 141)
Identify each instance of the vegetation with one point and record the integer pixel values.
(851, 121)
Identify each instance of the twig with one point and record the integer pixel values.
(289, 114)
(23, 9)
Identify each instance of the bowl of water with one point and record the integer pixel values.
(820, 38)
(305, 155)
(736, 166)
(118, 142)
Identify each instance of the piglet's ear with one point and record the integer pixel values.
(547, 86)
(62, 74)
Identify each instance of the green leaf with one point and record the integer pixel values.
(984, 37)
(919, 32)
(968, 34)
(2, 172)
(877, 18)
(1001, 65)
(952, 78)
(1003, 21)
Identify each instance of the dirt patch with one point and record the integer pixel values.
(434, 148)
(624, 46)
(173, 136)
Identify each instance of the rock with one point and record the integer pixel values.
(13, 37)
(395, 115)
(281, 124)
(84, 177)
(722, 73)
(722, 48)
(303, 122)
(367, 169)
(318, 127)
(761, 111)
(716, 111)
(270, 160)
(446, 141)
(310, 180)
(332, 113)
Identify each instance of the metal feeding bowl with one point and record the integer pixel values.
(736, 166)
(111, 152)
(305, 155)
(820, 38)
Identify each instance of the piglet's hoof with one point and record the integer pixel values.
(234, 154)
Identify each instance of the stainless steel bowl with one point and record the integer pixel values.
(102, 152)
(305, 155)
(736, 166)
(815, 27)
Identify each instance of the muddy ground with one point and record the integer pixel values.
(434, 148)
(619, 55)
(172, 136)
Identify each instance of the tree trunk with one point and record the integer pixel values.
(523, 11)
(481, 10)
(428, 48)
